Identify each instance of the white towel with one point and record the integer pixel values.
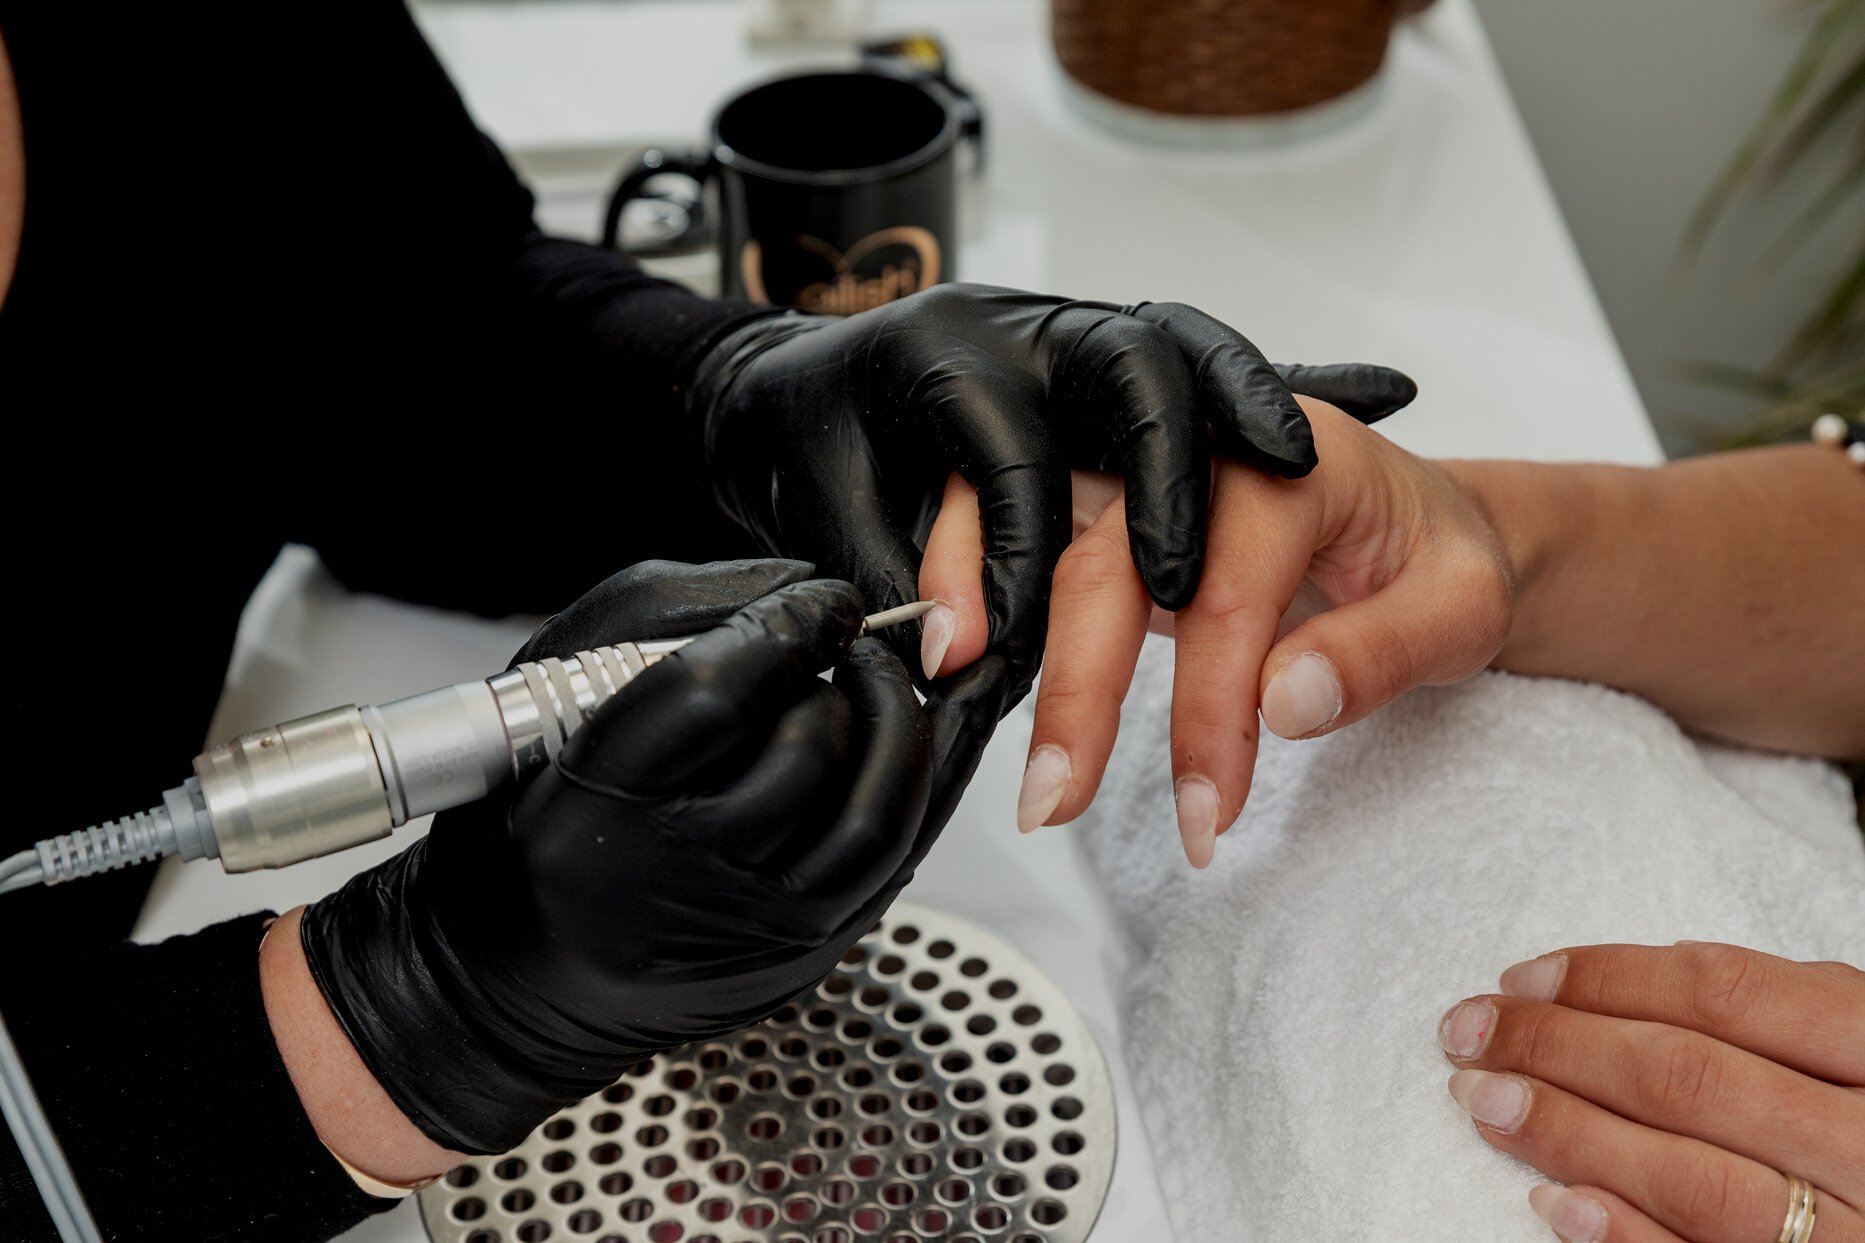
(1282, 1007)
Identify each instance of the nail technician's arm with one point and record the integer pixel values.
(1720, 588)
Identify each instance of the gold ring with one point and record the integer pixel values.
(1798, 1227)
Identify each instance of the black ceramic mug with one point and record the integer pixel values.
(836, 191)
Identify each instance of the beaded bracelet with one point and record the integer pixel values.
(1830, 429)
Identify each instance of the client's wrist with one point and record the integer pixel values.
(1538, 518)
(347, 1107)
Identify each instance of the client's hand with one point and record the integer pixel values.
(706, 846)
(1673, 1089)
(832, 439)
(1417, 579)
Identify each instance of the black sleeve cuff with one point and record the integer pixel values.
(594, 308)
(157, 1068)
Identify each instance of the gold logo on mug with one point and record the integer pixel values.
(909, 258)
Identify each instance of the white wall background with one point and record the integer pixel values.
(1634, 106)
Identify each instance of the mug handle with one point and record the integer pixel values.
(970, 121)
(652, 163)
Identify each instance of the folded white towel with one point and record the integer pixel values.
(1282, 1010)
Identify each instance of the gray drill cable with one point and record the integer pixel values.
(44, 1158)
(21, 871)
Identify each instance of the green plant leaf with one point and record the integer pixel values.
(1788, 408)
(1830, 321)
(1739, 379)
(1809, 222)
(1801, 77)
(1820, 115)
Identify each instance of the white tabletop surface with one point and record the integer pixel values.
(1422, 235)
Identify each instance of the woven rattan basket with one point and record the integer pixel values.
(1223, 58)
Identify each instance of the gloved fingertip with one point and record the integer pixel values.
(1282, 441)
(1284, 469)
(1172, 582)
(1396, 391)
(842, 607)
(816, 621)
(1367, 391)
(1284, 462)
(786, 570)
(1173, 592)
(871, 652)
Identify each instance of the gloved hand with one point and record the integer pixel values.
(832, 439)
(707, 846)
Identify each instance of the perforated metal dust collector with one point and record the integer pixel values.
(934, 1087)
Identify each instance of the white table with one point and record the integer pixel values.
(1422, 235)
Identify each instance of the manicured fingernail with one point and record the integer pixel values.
(1303, 697)
(1576, 1218)
(936, 631)
(1045, 780)
(1538, 979)
(1497, 1101)
(1465, 1029)
(1197, 800)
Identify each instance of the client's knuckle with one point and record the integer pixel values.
(1704, 1188)
(1533, 1039)
(1097, 559)
(1681, 1078)
(1071, 700)
(1228, 605)
(1387, 653)
(1729, 987)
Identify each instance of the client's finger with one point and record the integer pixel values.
(1678, 1081)
(1701, 1192)
(952, 572)
(1263, 533)
(1805, 1015)
(1097, 620)
(1437, 622)
(1590, 1215)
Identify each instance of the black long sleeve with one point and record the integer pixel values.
(171, 1100)
(273, 285)
(284, 227)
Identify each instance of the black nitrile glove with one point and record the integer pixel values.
(707, 846)
(832, 439)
